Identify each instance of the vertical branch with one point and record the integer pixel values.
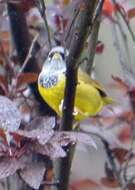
(123, 15)
(68, 35)
(22, 42)
(123, 51)
(92, 46)
(94, 36)
(42, 10)
(20, 32)
(112, 163)
(80, 32)
(123, 55)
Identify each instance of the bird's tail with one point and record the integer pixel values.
(108, 100)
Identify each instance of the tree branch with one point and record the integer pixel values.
(94, 36)
(42, 10)
(80, 31)
(125, 20)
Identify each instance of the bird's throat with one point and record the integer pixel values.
(48, 81)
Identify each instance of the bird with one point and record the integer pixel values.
(90, 95)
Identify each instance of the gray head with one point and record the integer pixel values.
(54, 66)
(55, 61)
(58, 50)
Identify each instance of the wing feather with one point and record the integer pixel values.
(82, 76)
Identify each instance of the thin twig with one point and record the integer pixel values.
(124, 57)
(111, 160)
(109, 154)
(8, 62)
(130, 181)
(98, 10)
(50, 183)
(63, 42)
(94, 36)
(42, 10)
(71, 24)
(125, 168)
(127, 71)
(29, 55)
(125, 20)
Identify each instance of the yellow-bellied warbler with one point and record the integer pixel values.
(90, 95)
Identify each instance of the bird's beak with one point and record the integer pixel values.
(56, 56)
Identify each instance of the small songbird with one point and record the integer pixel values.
(90, 95)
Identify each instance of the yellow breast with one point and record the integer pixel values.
(54, 94)
(88, 100)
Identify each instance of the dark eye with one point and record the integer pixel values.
(51, 54)
(62, 55)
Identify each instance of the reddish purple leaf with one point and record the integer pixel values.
(26, 78)
(60, 22)
(120, 154)
(51, 150)
(41, 135)
(40, 129)
(132, 93)
(33, 174)
(41, 122)
(100, 48)
(120, 83)
(131, 13)
(4, 150)
(4, 84)
(109, 183)
(125, 134)
(131, 186)
(10, 116)
(9, 165)
(84, 184)
(64, 138)
(24, 5)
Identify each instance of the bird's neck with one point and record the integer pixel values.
(49, 79)
(55, 67)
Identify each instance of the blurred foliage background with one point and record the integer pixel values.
(91, 169)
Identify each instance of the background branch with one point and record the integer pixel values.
(22, 42)
(42, 10)
(94, 36)
(124, 19)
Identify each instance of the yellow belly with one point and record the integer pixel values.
(88, 101)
